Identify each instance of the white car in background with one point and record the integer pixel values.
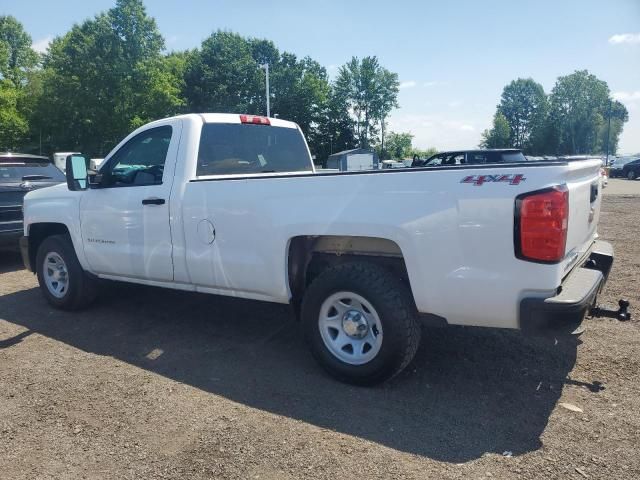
(94, 163)
(60, 159)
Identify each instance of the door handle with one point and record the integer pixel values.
(153, 201)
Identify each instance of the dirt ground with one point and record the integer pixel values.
(152, 383)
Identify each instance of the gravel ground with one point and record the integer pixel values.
(152, 383)
(619, 186)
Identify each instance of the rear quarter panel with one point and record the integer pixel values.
(456, 238)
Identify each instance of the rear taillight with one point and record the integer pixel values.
(254, 119)
(541, 220)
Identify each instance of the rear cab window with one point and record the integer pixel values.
(230, 148)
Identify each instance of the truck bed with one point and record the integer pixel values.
(456, 237)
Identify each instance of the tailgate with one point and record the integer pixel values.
(585, 197)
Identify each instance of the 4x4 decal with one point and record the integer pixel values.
(479, 180)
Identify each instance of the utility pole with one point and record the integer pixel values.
(265, 66)
(608, 133)
(382, 147)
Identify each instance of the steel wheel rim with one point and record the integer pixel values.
(342, 321)
(56, 275)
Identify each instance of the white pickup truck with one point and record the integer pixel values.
(231, 205)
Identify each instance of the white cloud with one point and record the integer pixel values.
(455, 104)
(41, 45)
(457, 125)
(631, 100)
(631, 38)
(627, 97)
(436, 130)
(408, 84)
(433, 83)
(630, 138)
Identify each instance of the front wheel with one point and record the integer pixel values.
(63, 282)
(631, 175)
(361, 323)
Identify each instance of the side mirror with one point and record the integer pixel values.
(76, 172)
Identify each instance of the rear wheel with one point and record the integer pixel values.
(62, 280)
(361, 323)
(631, 175)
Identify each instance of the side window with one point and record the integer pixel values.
(436, 161)
(454, 159)
(141, 160)
(476, 157)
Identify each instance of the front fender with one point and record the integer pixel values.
(57, 206)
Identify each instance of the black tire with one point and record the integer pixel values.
(631, 175)
(395, 308)
(81, 290)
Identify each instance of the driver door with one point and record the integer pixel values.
(125, 221)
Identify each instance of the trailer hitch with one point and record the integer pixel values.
(621, 314)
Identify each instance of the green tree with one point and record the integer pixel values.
(17, 57)
(105, 77)
(386, 100)
(223, 76)
(423, 154)
(619, 116)
(370, 92)
(398, 146)
(18, 62)
(579, 105)
(499, 136)
(524, 106)
(13, 126)
(300, 90)
(335, 130)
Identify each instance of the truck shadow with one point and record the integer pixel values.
(469, 391)
(10, 261)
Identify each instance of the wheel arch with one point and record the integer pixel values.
(310, 255)
(38, 232)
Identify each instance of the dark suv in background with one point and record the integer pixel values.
(19, 174)
(631, 170)
(471, 157)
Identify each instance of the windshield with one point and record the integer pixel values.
(227, 148)
(33, 172)
(620, 162)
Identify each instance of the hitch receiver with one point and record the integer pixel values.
(621, 314)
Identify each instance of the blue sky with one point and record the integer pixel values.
(453, 58)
